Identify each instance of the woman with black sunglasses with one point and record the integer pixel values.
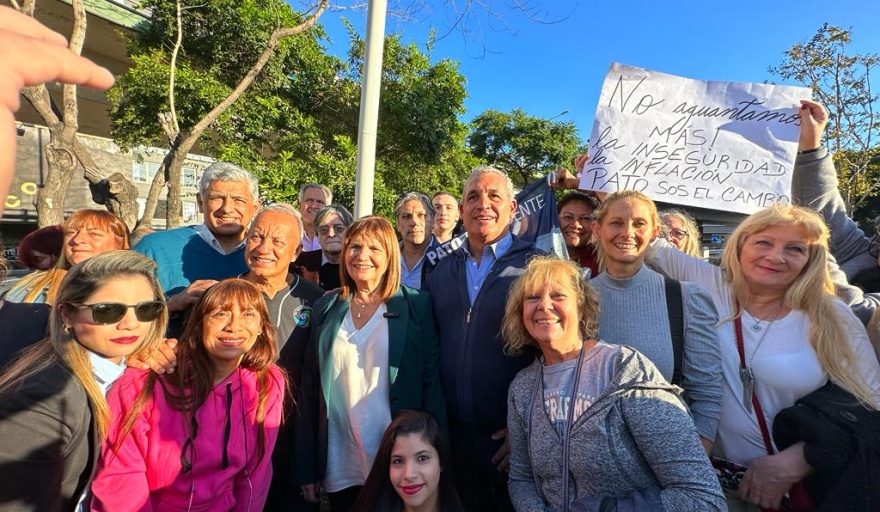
(53, 413)
(202, 437)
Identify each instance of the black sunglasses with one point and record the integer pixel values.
(112, 312)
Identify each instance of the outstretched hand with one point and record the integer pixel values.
(565, 179)
(31, 54)
(814, 118)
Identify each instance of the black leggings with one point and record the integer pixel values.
(343, 501)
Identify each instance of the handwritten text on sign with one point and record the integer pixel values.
(719, 145)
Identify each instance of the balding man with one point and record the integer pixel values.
(272, 243)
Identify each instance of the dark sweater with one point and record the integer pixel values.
(21, 325)
(842, 445)
(48, 446)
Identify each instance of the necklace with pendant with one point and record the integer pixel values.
(746, 375)
(759, 323)
(363, 306)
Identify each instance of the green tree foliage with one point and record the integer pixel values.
(524, 146)
(420, 142)
(841, 80)
(221, 40)
(298, 122)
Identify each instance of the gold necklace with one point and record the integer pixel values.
(363, 305)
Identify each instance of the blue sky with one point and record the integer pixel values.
(546, 69)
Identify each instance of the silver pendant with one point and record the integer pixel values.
(748, 382)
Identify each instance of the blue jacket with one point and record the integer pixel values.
(473, 367)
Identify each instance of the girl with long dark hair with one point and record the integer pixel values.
(412, 470)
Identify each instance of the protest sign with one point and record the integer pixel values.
(720, 145)
(536, 219)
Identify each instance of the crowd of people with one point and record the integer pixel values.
(280, 357)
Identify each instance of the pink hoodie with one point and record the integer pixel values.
(146, 473)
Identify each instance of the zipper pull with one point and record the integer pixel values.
(468, 319)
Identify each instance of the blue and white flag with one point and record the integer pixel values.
(536, 219)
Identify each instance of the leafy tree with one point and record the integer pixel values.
(64, 152)
(192, 63)
(842, 81)
(524, 146)
(296, 123)
(420, 140)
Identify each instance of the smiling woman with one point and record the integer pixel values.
(52, 406)
(373, 352)
(783, 335)
(210, 427)
(637, 433)
(413, 469)
(87, 233)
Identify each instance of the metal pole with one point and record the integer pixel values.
(369, 115)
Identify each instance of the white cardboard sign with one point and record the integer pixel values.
(720, 145)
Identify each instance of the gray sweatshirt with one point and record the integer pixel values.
(814, 184)
(635, 443)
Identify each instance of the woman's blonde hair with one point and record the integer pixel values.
(691, 245)
(80, 283)
(379, 229)
(539, 272)
(599, 215)
(49, 280)
(812, 291)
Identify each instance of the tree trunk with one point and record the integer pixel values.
(61, 167)
(185, 140)
(116, 192)
(156, 187)
(173, 167)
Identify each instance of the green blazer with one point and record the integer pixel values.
(414, 372)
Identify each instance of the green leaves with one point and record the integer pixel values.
(524, 146)
(298, 122)
(841, 80)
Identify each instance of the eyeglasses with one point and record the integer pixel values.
(337, 229)
(678, 233)
(105, 313)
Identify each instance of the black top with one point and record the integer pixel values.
(21, 325)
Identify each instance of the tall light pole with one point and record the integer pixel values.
(559, 115)
(369, 116)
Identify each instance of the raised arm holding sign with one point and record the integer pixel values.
(719, 145)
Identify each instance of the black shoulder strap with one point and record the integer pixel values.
(675, 310)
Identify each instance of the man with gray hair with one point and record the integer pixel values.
(192, 258)
(322, 266)
(468, 291)
(414, 214)
(312, 197)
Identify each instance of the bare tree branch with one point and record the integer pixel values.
(175, 126)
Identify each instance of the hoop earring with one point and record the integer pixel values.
(67, 329)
